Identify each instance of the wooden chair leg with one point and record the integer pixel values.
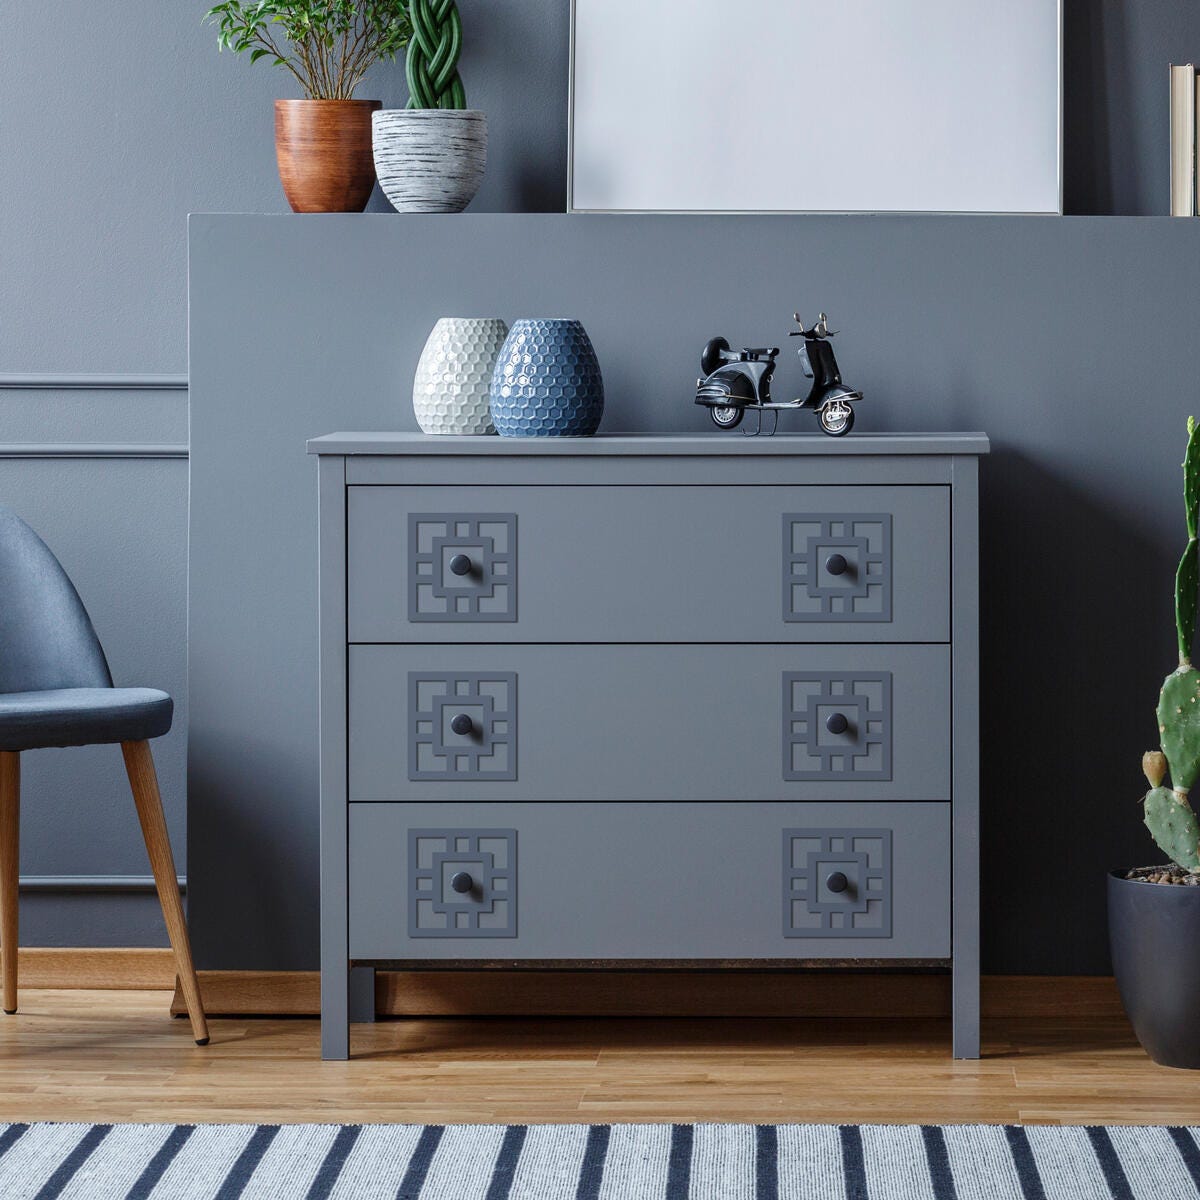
(10, 870)
(139, 765)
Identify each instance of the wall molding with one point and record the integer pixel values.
(91, 381)
(90, 884)
(123, 968)
(86, 382)
(92, 450)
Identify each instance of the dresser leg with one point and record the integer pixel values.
(335, 1011)
(362, 994)
(966, 1012)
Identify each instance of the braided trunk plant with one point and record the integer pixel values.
(431, 65)
(327, 45)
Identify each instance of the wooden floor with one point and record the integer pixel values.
(110, 1056)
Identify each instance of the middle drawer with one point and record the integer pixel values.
(776, 722)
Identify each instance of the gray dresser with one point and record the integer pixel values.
(646, 699)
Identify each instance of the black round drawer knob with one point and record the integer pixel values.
(461, 724)
(837, 882)
(835, 723)
(460, 564)
(836, 564)
(462, 882)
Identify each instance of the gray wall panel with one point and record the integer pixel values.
(61, 410)
(1017, 331)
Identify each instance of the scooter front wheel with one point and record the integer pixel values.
(729, 417)
(837, 419)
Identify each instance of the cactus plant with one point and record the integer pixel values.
(1168, 812)
(1171, 820)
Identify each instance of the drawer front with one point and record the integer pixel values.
(663, 564)
(713, 723)
(662, 881)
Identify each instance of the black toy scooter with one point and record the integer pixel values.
(735, 381)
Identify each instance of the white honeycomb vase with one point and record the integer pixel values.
(454, 375)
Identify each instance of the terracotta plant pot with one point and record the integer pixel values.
(324, 152)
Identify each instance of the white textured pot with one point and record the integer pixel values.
(429, 159)
(454, 375)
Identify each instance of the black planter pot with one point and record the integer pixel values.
(1154, 935)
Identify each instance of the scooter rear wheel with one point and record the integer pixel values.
(729, 417)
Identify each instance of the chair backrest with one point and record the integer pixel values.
(46, 636)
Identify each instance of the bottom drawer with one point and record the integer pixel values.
(661, 881)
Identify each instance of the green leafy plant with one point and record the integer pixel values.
(328, 45)
(431, 65)
(1168, 811)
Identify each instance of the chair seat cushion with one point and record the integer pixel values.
(82, 717)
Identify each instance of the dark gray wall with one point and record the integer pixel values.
(1071, 341)
(1116, 137)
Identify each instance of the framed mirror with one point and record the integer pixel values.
(815, 106)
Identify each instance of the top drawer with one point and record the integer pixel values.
(648, 564)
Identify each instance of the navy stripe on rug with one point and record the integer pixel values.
(1022, 1155)
(164, 1156)
(506, 1163)
(591, 1174)
(1110, 1164)
(854, 1166)
(418, 1165)
(10, 1135)
(679, 1165)
(766, 1162)
(66, 1169)
(940, 1173)
(1186, 1145)
(334, 1161)
(243, 1167)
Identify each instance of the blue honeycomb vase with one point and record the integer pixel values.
(547, 381)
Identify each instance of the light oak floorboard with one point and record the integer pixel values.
(118, 1056)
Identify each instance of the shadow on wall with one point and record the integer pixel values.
(1088, 152)
(1050, 550)
(240, 842)
(515, 67)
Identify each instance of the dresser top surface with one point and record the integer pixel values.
(652, 445)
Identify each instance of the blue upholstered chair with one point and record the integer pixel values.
(56, 690)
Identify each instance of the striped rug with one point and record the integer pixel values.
(597, 1162)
